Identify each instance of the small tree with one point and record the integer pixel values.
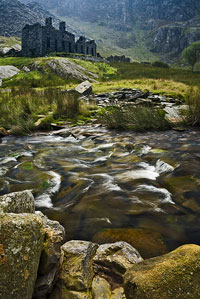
(192, 54)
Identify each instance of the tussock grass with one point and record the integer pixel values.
(192, 113)
(160, 86)
(133, 118)
(21, 109)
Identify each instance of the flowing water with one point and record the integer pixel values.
(102, 182)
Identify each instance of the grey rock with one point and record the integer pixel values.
(8, 71)
(113, 260)
(66, 68)
(85, 88)
(17, 202)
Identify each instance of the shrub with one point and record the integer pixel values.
(160, 64)
(192, 54)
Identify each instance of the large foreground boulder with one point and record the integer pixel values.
(174, 275)
(21, 242)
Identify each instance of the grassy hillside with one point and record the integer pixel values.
(110, 77)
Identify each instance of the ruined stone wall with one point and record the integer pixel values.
(40, 40)
(32, 41)
(91, 48)
(81, 45)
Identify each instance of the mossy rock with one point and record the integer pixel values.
(147, 242)
(21, 242)
(174, 275)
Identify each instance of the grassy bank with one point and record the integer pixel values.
(23, 111)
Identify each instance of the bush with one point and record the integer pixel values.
(160, 64)
(135, 118)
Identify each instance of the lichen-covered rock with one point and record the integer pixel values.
(50, 257)
(17, 202)
(21, 242)
(76, 272)
(174, 275)
(111, 261)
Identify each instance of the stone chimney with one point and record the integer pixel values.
(48, 21)
(62, 26)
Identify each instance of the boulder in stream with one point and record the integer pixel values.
(174, 275)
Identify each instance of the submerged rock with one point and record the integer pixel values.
(17, 202)
(174, 275)
(21, 242)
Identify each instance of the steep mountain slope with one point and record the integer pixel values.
(14, 15)
(141, 29)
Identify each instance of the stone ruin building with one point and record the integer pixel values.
(38, 40)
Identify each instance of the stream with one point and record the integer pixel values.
(105, 185)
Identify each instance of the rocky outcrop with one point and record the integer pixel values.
(174, 38)
(66, 68)
(174, 275)
(34, 263)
